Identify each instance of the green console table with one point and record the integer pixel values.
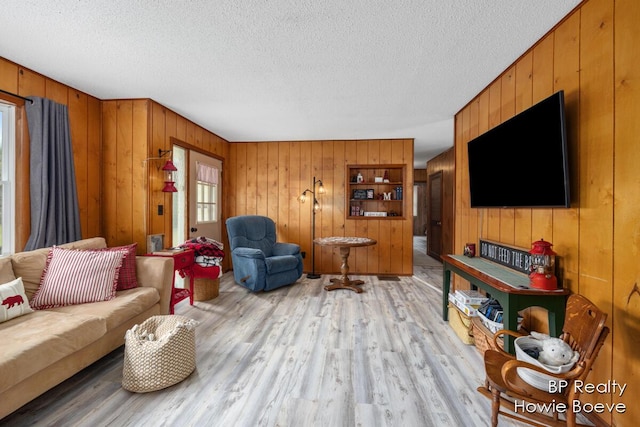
(509, 287)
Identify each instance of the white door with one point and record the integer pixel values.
(196, 212)
(205, 185)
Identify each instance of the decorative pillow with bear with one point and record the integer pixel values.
(14, 300)
(78, 276)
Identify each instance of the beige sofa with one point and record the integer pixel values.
(43, 348)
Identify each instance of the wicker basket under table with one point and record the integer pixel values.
(482, 336)
(461, 324)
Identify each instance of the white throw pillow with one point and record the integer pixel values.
(13, 299)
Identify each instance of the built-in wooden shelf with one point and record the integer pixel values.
(366, 198)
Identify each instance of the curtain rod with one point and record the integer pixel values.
(17, 96)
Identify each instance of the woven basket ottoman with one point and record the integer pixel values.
(159, 353)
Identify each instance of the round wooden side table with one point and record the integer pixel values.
(345, 244)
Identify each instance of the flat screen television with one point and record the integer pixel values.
(523, 162)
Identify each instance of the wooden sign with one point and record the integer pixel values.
(514, 258)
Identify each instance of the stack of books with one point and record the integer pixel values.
(467, 301)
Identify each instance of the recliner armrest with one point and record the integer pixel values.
(249, 253)
(285, 249)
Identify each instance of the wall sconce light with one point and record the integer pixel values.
(169, 184)
(316, 208)
(169, 168)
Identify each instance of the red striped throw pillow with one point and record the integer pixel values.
(74, 276)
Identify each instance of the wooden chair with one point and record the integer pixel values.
(584, 331)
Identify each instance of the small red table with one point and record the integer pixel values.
(183, 262)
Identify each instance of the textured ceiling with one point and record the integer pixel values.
(265, 70)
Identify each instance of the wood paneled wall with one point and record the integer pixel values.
(125, 133)
(119, 191)
(419, 175)
(84, 117)
(267, 178)
(592, 56)
(133, 132)
(167, 126)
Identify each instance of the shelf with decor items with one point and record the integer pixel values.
(375, 191)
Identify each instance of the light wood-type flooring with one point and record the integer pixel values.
(297, 356)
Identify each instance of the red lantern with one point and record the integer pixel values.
(543, 264)
(169, 183)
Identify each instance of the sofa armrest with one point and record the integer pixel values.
(156, 272)
(286, 249)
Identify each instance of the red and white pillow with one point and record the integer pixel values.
(13, 300)
(74, 276)
(127, 277)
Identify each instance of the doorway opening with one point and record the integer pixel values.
(197, 203)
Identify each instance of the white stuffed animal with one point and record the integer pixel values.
(555, 352)
(143, 335)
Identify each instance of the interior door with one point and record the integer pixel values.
(434, 235)
(420, 213)
(205, 195)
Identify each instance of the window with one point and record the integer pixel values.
(7, 178)
(206, 203)
(180, 197)
(207, 193)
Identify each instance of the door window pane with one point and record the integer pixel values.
(179, 197)
(207, 209)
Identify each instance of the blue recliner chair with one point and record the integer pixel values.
(259, 262)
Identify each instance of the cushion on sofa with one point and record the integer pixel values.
(127, 276)
(91, 243)
(30, 264)
(126, 305)
(6, 270)
(13, 300)
(74, 276)
(33, 342)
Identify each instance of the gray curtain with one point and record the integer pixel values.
(55, 216)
